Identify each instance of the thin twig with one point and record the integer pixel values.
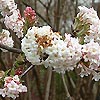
(38, 83)
(48, 84)
(42, 3)
(2, 63)
(27, 70)
(66, 88)
(71, 80)
(93, 3)
(29, 87)
(14, 50)
(76, 6)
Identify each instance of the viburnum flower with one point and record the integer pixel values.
(6, 39)
(90, 60)
(94, 33)
(63, 55)
(43, 46)
(91, 53)
(89, 17)
(35, 41)
(7, 7)
(12, 87)
(15, 22)
(29, 15)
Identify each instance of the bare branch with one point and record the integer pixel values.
(42, 3)
(2, 63)
(48, 84)
(29, 68)
(37, 80)
(66, 88)
(15, 50)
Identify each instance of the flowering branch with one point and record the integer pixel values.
(15, 50)
(38, 15)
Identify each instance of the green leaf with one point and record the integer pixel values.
(12, 71)
(6, 73)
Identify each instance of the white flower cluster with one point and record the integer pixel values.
(12, 17)
(43, 46)
(15, 23)
(91, 48)
(7, 7)
(90, 16)
(63, 55)
(6, 39)
(91, 55)
(35, 41)
(12, 87)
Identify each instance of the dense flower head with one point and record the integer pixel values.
(35, 41)
(90, 23)
(63, 55)
(94, 33)
(29, 14)
(12, 17)
(12, 87)
(89, 16)
(6, 39)
(60, 54)
(91, 53)
(91, 60)
(15, 22)
(7, 7)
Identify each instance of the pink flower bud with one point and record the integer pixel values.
(29, 14)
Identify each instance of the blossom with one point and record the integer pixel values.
(84, 70)
(3, 92)
(12, 87)
(16, 78)
(7, 7)
(15, 22)
(6, 39)
(63, 55)
(91, 53)
(29, 14)
(90, 62)
(94, 33)
(43, 46)
(35, 41)
(89, 16)
(12, 16)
